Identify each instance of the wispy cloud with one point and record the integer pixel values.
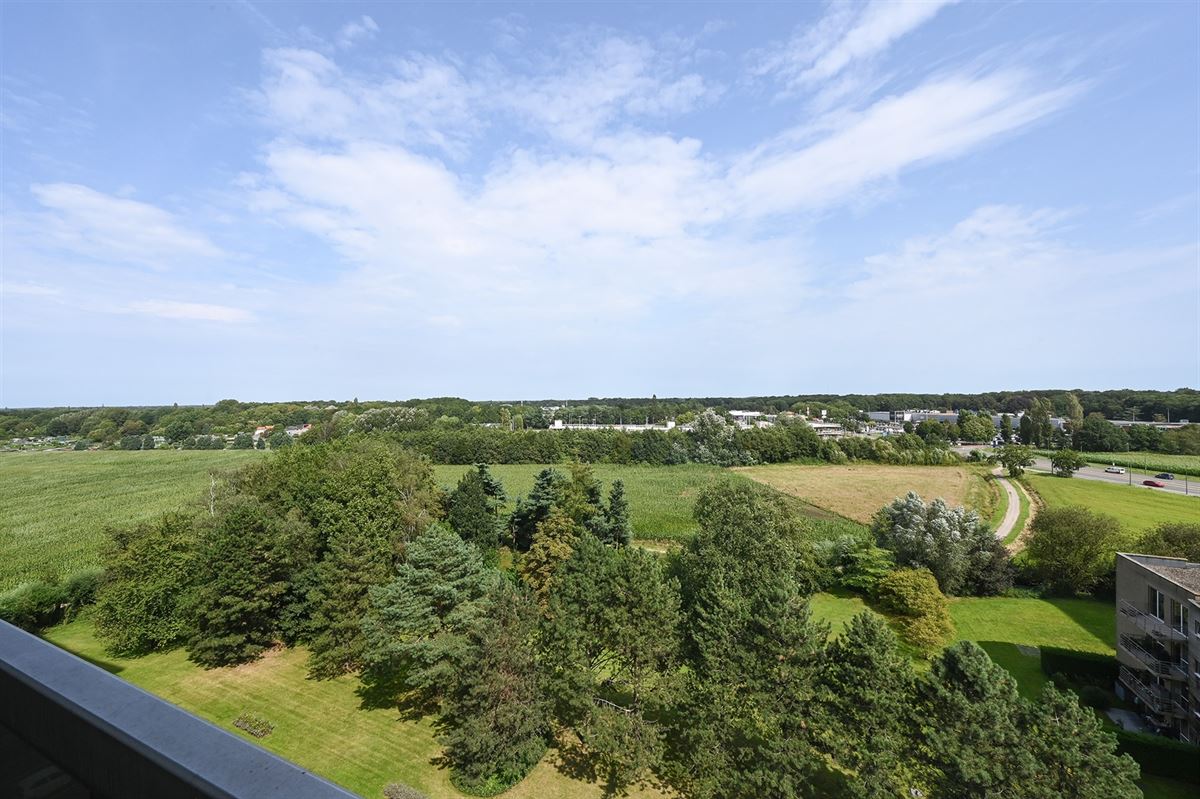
(191, 311)
(356, 30)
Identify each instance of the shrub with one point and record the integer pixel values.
(913, 595)
(1161, 756)
(254, 725)
(1084, 666)
(1094, 696)
(79, 591)
(32, 606)
(398, 790)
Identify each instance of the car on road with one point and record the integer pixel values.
(1165, 476)
(1153, 483)
(1114, 470)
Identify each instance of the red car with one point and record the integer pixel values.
(1153, 484)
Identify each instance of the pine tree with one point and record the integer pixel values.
(471, 513)
(971, 734)
(617, 528)
(355, 562)
(532, 511)
(1077, 758)
(495, 720)
(416, 625)
(864, 708)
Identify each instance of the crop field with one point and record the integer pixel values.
(318, 724)
(1137, 508)
(55, 506)
(858, 490)
(1148, 461)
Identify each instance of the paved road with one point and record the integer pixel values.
(1180, 485)
(1014, 506)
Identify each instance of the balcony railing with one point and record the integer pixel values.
(1159, 666)
(1150, 623)
(1160, 702)
(116, 740)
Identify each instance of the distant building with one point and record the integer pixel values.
(264, 430)
(297, 430)
(1158, 640)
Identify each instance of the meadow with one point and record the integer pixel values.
(55, 506)
(319, 724)
(1137, 508)
(858, 490)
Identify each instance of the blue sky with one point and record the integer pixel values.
(276, 201)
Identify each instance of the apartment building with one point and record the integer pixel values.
(1158, 640)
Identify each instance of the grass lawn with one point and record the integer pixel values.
(1163, 788)
(1150, 461)
(858, 490)
(1136, 507)
(318, 724)
(1084, 624)
(54, 506)
(1023, 516)
(660, 497)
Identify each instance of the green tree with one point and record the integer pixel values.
(1100, 435)
(863, 710)
(355, 562)
(416, 627)
(1073, 411)
(279, 439)
(1065, 462)
(243, 441)
(472, 510)
(617, 528)
(495, 720)
(924, 615)
(1006, 431)
(246, 558)
(149, 569)
(1072, 548)
(532, 511)
(1077, 758)
(1015, 457)
(553, 543)
(1173, 540)
(971, 736)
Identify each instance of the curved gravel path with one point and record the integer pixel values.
(1014, 506)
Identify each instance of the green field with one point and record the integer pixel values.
(318, 724)
(660, 497)
(1149, 461)
(1136, 507)
(54, 506)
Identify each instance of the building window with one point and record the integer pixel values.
(1155, 602)
(1177, 621)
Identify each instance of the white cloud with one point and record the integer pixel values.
(28, 289)
(193, 311)
(100, 226)
(356, 30)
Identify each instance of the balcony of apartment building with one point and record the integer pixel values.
(1152, 656)
(1155, 698)
(1151, 624)
(71, 730)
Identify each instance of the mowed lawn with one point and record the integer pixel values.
(661, 498)
(318, 724)
(858, 490)
(55, 506)
(1138, 508)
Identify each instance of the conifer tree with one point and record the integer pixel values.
(471, 513)
(495, 720)
(355, 562)
(617, 528)
(536, 508)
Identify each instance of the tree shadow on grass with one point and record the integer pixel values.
(389, 692)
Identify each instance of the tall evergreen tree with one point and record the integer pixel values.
(472, 512)
(617, 528)
(535, 509)
(495, 720)
(355, 562)
(415, 629)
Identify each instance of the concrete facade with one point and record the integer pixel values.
(1158, 640)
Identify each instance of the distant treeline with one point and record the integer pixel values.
(228, 417)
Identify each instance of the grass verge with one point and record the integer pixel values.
(1137, 508)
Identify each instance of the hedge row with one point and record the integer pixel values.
(1089, 666)
(32, 606)
(1160, 756)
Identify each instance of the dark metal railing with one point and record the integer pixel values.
(121, 742)
(1151, 623)
(1156, 664)
(1156, 699)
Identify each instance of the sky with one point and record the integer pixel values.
(283, 201)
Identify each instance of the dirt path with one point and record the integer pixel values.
(1014, 506)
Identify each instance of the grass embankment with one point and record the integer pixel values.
(318, 724)
(858, 490)
(55, 506)
(1136, 507)
(1026, 501)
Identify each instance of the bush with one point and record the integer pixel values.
(32, 606)
(913, 595)
(398, 790)
(1161, 756)
(1094, 696)
(254, 725)
(1084, 666)
(79, 591)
